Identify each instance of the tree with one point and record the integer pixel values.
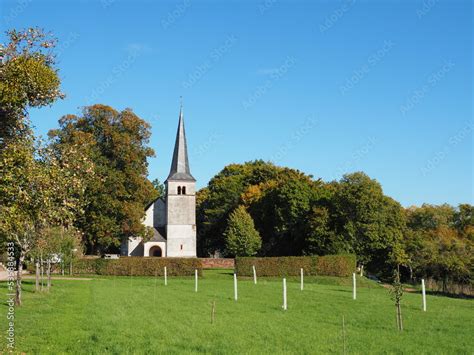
(222, 196)
(28, 78)
(36, 192)
(370, 222)
(116, 142)
(397, 294)
(241, 237)
(159, 188)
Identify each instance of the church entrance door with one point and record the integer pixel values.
(155, 251)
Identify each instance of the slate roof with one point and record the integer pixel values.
(180, 164)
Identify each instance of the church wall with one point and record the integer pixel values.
(149, 216)
(149, 245)
(181, 240)
(181, 210)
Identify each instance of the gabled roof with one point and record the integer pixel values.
(180, 163)
(158, 235)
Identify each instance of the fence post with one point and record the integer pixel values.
(196, 280)
(302, 281)
(354, 292)
(235, 287)
(423, 294)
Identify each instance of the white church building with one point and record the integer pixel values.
(173, 216)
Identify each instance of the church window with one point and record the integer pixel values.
(179, 190)
(181, 246)
(183, 190)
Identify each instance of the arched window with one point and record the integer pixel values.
(183, 190)
(179, 190)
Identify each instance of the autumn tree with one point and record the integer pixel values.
(116, 142)
(37, 192)
(241, 237)
(28, 78)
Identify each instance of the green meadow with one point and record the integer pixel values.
(141, 315)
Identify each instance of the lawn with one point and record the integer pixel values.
(141, 315)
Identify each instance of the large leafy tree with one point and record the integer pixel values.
(371, 223)
(439, 243)
(240, 235)
(222, 196)
(280, 208)
(278, 199)
(118, 191)
(28, 78)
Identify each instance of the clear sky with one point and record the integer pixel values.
(326, 87)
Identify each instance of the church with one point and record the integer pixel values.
(173, 216)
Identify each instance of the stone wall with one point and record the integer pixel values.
(217, 263)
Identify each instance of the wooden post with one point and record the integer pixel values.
(166, 277)
(213, 312)
(42, 273)
(254, 275)
(285, 305)
(48, 274)
(423, 294)
(354, 292)
(235, 287)
(195, 280)
(343, 336)
(37, 276)
(301, 281)
(154, 289)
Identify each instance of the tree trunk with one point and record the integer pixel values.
(37, 288)
(400, 321)
(18, 278)
(42, 273)
(48, 273)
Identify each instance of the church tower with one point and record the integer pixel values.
(180, 201)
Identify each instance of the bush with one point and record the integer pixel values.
(138, 266)
(329, 265)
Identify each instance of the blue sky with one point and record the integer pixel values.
(326, 87)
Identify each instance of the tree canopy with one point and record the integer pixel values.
(116, 142)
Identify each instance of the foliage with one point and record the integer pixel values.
(138, 266)
(329, 265)
(116, 142)
(396, 293)
(278, 199)
(159, 188)
(221, 196)
(369, 222)
(37, 192)
(439, 243)
(28, 78)
(241, 237)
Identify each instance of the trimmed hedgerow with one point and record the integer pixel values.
(138, 266)
(329, 265)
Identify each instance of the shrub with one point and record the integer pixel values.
(329, 265)
(138, 266)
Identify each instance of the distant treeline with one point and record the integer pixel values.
(296, 214)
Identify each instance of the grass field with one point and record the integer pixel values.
(141, 315)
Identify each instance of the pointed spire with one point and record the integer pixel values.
(180, 163)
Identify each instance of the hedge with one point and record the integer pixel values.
(138, 266)
(329, 265)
